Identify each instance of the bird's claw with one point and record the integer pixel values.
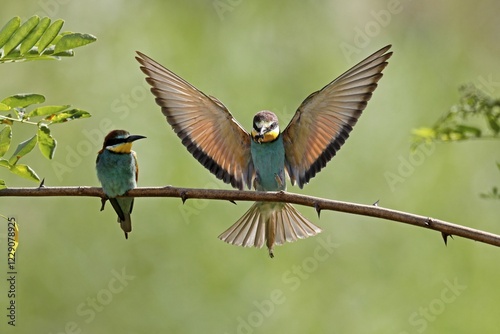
(103, 202)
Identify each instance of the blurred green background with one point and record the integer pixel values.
(362, 275)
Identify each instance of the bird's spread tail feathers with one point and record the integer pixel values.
(270, 223)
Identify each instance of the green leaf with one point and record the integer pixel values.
(4, 163)
(49, 35)
(8, 29)
(20, 34)
(66, 116)
(46, 143)
(4, 107)
(73, 40)
(34, 35)
(494, 194)
(49, 53)
(5, 138)
(464, 129)
(38, 40)
(25, 171)
(493, 123)
(47, 110)
(57, 39)
(2, 184)
(424, 133)
(22, 149)
(23, 100)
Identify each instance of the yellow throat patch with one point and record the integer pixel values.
(123, 148)
(268, 137)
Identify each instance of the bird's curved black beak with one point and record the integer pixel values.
(133, 138)
(258, 138)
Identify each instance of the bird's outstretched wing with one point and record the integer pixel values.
(323, 121)
(205, 126)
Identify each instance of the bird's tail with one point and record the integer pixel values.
(123, 208)
(126, 224)
(269, 222)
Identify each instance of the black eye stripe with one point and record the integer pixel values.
(114, 141)
(270, 127)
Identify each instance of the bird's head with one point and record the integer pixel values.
(120, 141)
(265, 127)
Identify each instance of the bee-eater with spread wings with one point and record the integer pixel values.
(318, 129)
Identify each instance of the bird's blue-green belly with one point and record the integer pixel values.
(116, 173)
(269, 163)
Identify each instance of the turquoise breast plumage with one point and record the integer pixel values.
(269, 164)
(116, 172)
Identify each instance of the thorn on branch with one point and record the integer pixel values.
(376, 203)
(183, 197)
(445, 237)
(318, 209)
(232, 201)
(42, 184)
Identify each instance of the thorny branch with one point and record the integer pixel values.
(446, 228)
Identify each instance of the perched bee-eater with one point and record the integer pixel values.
(117, 170)
(318, 129)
